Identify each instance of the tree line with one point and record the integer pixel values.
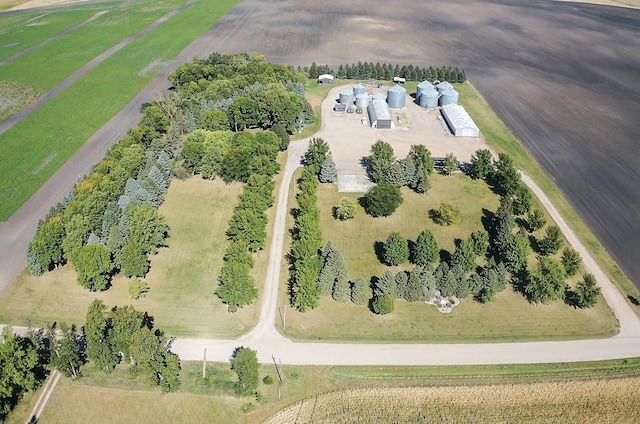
(109, 222)
(109, 337)
(367, 70)
(238, 91)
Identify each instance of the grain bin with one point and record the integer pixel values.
(358, 89)
(449, 97)
(362, 100)
(346, 96)
(396, 97)
(443, 86)
(421, 87)
(429, 98)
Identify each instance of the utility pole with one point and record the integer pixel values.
(204, 364)
(284, 324)
(277, 369)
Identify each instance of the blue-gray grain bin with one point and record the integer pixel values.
(429, 98)
(396, 97)
(346, 96)
(449, 97)
(421, 87)
(358, 89)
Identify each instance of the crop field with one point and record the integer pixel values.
(599, 401)
(86, 105)
(182, 279)
(24, 30)
(14, 96)
(47, 66)
(561, 75)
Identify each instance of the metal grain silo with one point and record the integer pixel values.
(346, 96)
(421, 87)
(380, 96)
(362, 100)
(449, 97)
(358, 89)
(429, 98)
(396, 97)
(443, 86)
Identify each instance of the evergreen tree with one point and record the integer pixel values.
(395, 250)
(552, 241)
(341, 290)
(480, 240)
(328, 173)
(414, 290)
(587, 292)
(547, 282)
(425, 250)
(482, 166)
(360, 293)
(464, 256)
(571, 261)
(387, 284)
(382, 304)
(535, 220)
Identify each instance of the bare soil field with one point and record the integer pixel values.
(563, 76)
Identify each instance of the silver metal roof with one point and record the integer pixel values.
(378, 109)
(458, 117)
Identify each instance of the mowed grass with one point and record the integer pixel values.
(502, 140)
(182, 279)
(89, 103)
(120, 397)
(23, 32)
(509, 317)
(599, 401)
(47, 66)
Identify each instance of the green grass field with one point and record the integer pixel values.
(182, 279)
(86, 105)
(502, 140)
(47, 66)
(22, 30)
(509, 317)
(15, 96)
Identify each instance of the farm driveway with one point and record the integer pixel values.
(563, 76)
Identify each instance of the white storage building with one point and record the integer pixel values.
(380, 115)
(459, 121)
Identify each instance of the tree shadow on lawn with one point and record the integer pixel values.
(378, 248)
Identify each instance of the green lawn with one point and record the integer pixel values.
(508, 318)
(182, 278)
(86, 105)
(502, 140)
(20, 34)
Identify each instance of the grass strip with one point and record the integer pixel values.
(485, 374)
(89, 103)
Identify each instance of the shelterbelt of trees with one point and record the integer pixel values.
(368, 70)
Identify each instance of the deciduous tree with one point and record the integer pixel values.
(244, 363)
(93, 266)
(446, 214)
(482, 166)
(382, 200)
(587, 292)
(382, 304)
(547, 282)
(345, 210)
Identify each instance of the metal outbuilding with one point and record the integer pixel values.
(459, 121)
(346, 96)
(443, 86)
(428, 98)
(396, 96)
(380, 115)
(325, 79)
(449, 97)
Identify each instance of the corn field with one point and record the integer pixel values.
(594, 401)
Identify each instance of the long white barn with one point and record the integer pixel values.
(459, 121)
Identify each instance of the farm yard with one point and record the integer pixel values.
(208, 229)
(537, 66)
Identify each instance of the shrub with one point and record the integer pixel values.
(345, 210)
(382, 304)
(267, 380)
(446, 214)
(137, 288)
(382, 200)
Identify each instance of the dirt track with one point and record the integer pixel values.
(563, 76)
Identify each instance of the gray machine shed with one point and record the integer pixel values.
(459, 121)
(380, 115)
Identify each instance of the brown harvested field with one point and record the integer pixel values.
(599, 401)
(563, 76)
